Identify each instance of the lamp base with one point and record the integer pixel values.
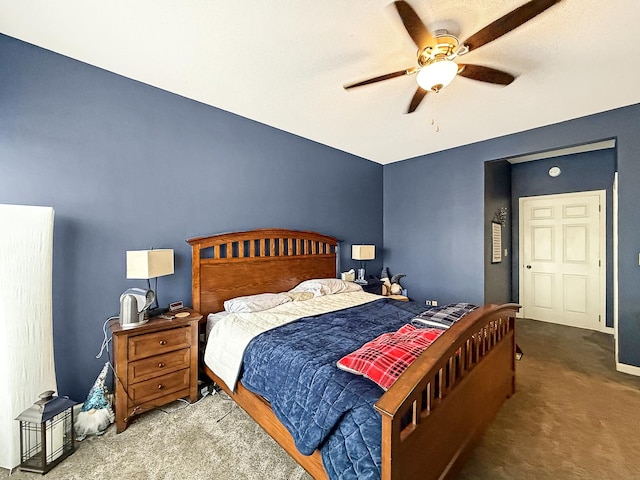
(361, 274)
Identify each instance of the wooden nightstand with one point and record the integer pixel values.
(155, 364)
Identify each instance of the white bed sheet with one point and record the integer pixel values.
(230, 334)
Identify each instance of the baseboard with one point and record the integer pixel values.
(630, 369)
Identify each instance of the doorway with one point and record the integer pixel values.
(508, 180)
(562, 255)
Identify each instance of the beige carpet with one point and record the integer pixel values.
(573, 417)
(213, 439)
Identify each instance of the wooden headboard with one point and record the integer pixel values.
(246, 263)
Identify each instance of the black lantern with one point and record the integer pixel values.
(46, 433)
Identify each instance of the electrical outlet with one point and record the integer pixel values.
(428, 302)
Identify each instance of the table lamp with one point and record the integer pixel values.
(147, 264)
(362, 253)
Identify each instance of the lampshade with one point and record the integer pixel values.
(363, 252)
(149, 263)
(437, 75)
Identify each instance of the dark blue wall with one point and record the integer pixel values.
(434, 227)
(497, 195)
(433, 213)
(580, 172)
(127, 166)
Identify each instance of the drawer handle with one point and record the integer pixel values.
(160, 365)
(163, 342)
(160, 387)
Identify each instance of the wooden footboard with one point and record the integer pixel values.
(443, 402)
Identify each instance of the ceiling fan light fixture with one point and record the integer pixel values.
(437, 75)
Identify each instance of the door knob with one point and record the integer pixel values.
(528, 266)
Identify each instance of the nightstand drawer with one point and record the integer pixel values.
(142, 346)
(147, 368)
(159, 387)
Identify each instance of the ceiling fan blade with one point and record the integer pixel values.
(418, 32)
(401, 73)
(508, 22)
(485, 74)
(417, 98)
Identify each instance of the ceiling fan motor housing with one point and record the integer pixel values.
(445, 48)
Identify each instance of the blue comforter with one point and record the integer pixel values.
(323, 407)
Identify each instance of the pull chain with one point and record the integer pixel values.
(434, 124)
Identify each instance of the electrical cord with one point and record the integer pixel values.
(223, 395)
(233, 406)
(205, 394)
(105, 340)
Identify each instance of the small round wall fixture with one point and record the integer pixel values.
(554, 171)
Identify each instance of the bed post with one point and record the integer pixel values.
(195, 276)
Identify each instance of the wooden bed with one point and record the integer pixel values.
(437, 409)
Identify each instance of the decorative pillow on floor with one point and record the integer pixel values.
(384, 359)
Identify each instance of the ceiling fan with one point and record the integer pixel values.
(437, 52)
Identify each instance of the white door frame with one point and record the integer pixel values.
(603, 253)
(621, 367)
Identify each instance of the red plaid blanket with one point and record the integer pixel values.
(385, 358)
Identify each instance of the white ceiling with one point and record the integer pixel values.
(283, 63)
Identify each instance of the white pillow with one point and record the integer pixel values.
(326, 286)
(255, 303)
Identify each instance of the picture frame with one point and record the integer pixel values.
(496, 242)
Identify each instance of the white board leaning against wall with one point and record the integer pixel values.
(26, 318)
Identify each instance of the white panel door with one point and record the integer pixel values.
(562, 259)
